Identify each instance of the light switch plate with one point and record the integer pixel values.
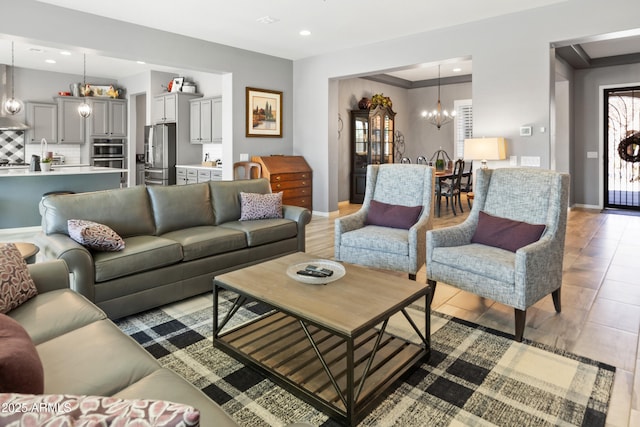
(513, 160)
(592, 154)
(244, 157)
(531, 161)
(525, 130)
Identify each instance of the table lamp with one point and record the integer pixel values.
(485, 149)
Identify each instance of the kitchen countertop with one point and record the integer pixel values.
(57, 170)
(208, 168)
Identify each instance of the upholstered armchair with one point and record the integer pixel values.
(490, 255)
(389, 230)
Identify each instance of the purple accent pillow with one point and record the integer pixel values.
(394, 216)
(260, 206)
(505, 233)
(16, 284)
(20, 366)
(94, 236)
(68, 410)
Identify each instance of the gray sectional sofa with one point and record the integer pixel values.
(84, 353)
(176, 239)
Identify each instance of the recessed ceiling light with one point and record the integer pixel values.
(305, 33)
(140, 62)
(65, 52)
(457, 70)
(36, 50)
(50, 61)
(267, 20)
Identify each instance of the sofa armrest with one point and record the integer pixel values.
(302, 216)
(79, 261)
(50, 275)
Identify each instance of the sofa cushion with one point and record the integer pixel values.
(16, 284)
(96, 359)
(71, 410)
(505, 233)
(180, 206)
(43, 320)
(126, 211)
(20, 367)
(260, 206)
(200, 242)
(94, 236)
(225, 197)
(263, 231)
(142, 253)
(394, 216)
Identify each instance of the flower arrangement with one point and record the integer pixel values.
(380, 99)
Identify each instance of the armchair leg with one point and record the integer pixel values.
(412, 277)
(556, 300)
(521, 317)
(432, 284)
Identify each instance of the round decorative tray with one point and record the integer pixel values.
(336, 267)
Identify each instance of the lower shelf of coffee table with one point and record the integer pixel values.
(279, 345)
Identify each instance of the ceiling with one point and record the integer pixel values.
(331, 22)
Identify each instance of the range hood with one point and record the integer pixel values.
(7, 123)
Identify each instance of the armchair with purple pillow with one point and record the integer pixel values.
(389, 230)
(511, 246)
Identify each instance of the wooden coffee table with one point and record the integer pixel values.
(328, 344)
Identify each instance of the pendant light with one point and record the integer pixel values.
(12, 106)
(439, 117)
(84, 109)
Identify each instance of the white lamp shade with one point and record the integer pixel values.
(485, 148)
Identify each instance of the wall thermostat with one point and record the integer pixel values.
(525, 130)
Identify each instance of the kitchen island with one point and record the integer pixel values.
(21, 189)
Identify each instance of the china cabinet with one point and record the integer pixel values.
(371, 143)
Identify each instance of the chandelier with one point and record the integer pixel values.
(12, 106)
(439, 116)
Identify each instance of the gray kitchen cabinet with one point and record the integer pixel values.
(71, 126)
(206, 118)
(109, 118)
(186, 176)
(42, 119)
(171, 107)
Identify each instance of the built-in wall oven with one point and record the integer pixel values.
(109, 153)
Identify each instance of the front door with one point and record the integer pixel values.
(622, 148)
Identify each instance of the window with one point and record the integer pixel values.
(463, 123)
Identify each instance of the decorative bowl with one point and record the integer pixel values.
(337, 268)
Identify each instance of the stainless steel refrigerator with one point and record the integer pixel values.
(160, 154)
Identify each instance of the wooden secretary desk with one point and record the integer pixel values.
(289, 174)
(371, 144)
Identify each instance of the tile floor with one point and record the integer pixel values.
(600, 315)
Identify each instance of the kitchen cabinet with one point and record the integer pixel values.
(71, 126)
(289, 174)
(42, 119)
(168, 107)
(109, 118)
(206, 120)
(186, 176)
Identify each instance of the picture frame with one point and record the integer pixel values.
(264, 113)
(177, 84)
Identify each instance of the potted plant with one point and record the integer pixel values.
(45, 164)
(440, 164)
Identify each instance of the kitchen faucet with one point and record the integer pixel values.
(43, 141)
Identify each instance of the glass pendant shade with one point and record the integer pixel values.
(12, 106)
(84, 110)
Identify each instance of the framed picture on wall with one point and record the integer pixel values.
(264, 113)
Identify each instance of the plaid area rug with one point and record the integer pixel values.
(476, 376)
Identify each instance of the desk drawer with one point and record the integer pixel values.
(294, 176)
(284, 185)
(304, 202)
(296, 192)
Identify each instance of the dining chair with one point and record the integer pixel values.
(247, 170)
(511, 246)
(466, 184)
(389, 231)
(449, 188)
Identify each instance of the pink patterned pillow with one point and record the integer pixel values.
(16, 284)
(94, 236)
(90, 411)
(260, 206)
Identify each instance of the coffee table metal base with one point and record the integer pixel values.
(344, 376)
